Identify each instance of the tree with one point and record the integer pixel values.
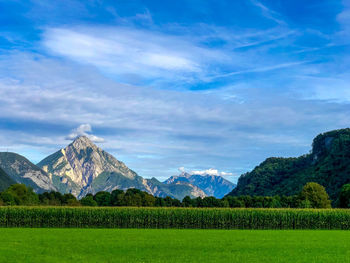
(8, 198)
(168, 201)
(187, 201)
(234, 201)
(291, 201)
(117, 197)
(344, 196)
(51, 198)
(103, 198)
(148, 200)
(73, 202)
(88, 200)
(315, 195)
(70, 200)
(19, 194)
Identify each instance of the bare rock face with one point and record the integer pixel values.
(75, 167)
(23, 171)
(176, 190)
(211, 185)
(82, 168)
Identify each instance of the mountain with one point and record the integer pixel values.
(5, 180)
(21, 170)
(82, 168)
(328, 164)
(212, 185)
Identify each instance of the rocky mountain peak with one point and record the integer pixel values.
(210, 184)
(75, 167)
(82, 142)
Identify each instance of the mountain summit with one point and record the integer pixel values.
(82, 168)
(212, 185)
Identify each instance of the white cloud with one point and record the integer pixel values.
(210, 171)
(226, 174)
(182, 169)
(122, 51)
(133, 55)
(84, 130)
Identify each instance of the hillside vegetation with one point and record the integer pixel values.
(327, 164)
(5, 180)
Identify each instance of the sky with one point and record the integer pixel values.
(170, 86)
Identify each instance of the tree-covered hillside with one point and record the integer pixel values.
(5, 180)
(328, 164)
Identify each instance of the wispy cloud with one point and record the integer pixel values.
(123, 51)
(134, 56)
(261, 69)
(268, 13)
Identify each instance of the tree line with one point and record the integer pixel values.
(312, 195)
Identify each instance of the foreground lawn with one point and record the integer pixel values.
(170, 245)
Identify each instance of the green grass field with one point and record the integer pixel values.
(170, 245)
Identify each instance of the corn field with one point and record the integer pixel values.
(210, 218)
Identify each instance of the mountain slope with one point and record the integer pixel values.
(75, 167)
(176, 190)
(83, 168)
(5, 180)
(328, 164)
(212, 185)
(21, 170)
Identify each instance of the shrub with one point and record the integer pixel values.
(314, 195)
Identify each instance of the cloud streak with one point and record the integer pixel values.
(121, 51)
(134, 56)
(268, 13)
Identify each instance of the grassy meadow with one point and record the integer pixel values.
(172, 245)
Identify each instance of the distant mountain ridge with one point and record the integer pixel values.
(212, 185)
(21, 170)
(327, 164)
(5, 180)
(82, 168)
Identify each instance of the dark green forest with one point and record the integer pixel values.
(312, 195)
(327, 164)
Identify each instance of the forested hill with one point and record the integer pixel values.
(328, 164)
(5, 180)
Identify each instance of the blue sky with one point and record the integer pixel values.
(167, 84)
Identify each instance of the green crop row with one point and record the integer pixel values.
(202, 218)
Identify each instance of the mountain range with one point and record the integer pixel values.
(82, 167)
(211, 184)
(328, 164)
